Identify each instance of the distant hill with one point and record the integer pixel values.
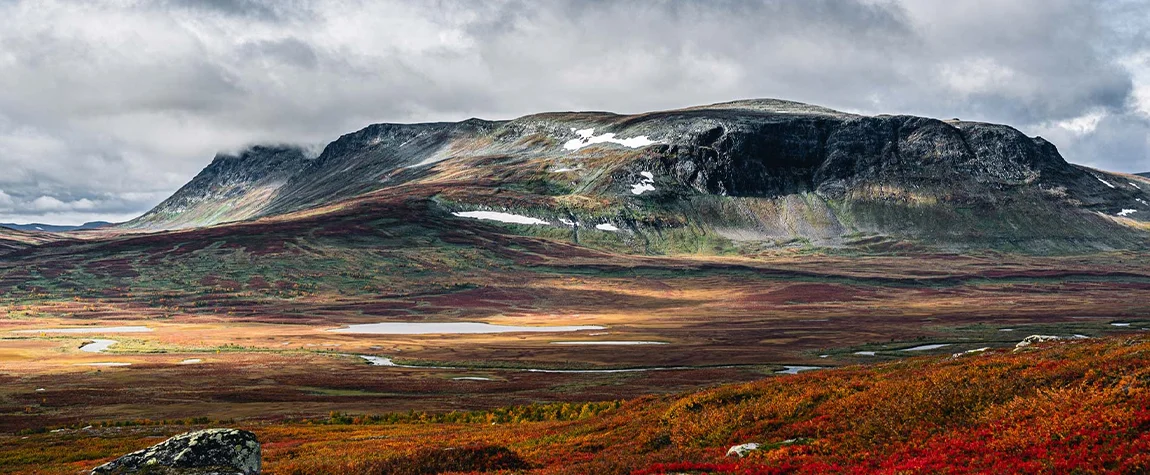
(52, 228)
(14, 239)
(1143, 174)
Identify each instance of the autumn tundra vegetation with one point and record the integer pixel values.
(1068, 406)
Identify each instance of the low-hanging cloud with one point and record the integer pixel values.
(108, 107)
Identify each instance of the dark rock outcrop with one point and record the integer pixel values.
(211, 451)
(776, 154)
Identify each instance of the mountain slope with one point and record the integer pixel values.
(231, 188)
(734, 175)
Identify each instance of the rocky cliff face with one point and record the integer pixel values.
(773, 154)
(763, 170)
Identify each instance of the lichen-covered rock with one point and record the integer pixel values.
(971, 352)
(742, 450)
(211, 451)
(1032, 339)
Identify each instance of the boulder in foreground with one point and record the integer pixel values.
(210, 451)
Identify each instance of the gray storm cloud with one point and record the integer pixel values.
(107, 107)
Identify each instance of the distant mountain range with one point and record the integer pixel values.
(52, 228)
(754, 172)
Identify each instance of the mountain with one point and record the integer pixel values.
(53, 228)
(747, 173)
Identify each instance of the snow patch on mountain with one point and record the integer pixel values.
(588, 137)
(501, 217)
(647, 184)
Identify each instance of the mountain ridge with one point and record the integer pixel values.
(760, 170)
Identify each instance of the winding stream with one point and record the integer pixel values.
(385, 361)
(458, 328)
(127, 329)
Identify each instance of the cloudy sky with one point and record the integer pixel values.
(108, 107)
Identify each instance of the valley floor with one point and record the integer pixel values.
(243, 354)
(237, 324)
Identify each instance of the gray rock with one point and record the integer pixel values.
(745, 449)
(210, 451)
(1032, 339)
(970, 352)
(742, 450)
